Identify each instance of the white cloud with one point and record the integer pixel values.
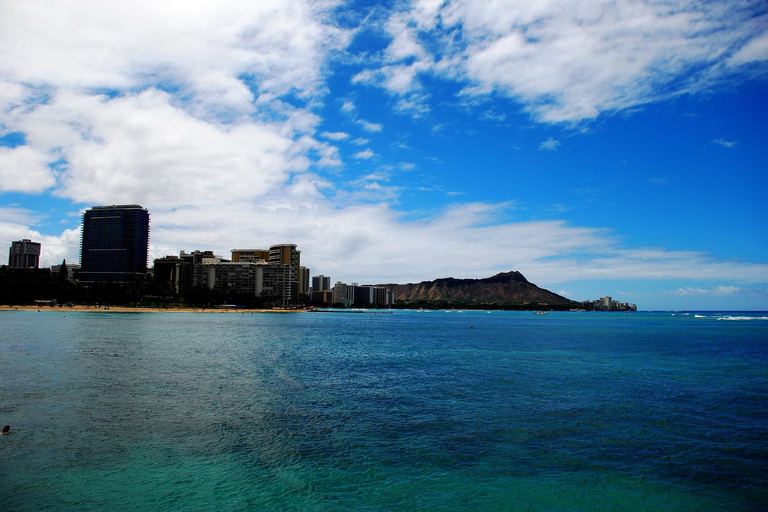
(725, 143)
(348, 107)
(549, 145)
(715, 291)
(202, 47)
(361, 141)
(14, 215)
(12, 95)
(370, 127)
(23, 169)
(570, 61)
(364, 155)
(164, 104)
(335, 135)
(143, 149)
(358, 236)
(755, 50)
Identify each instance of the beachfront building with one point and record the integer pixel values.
(175, 271)
(282, 276)
(24, 254)
(607, 304)
(114, 244)
(236, 277)
(382, 296)
(366, 294)
(340, 293)
(272, 274)
(324, 298)
(321, 283)
(304, 280)
(178, 271)
(200, 257)
(250, 255)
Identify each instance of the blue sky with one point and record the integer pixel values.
(600, 148)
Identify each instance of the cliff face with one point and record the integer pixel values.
(508, 287)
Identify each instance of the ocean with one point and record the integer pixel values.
(475, 411)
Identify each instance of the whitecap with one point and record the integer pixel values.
(743, 318)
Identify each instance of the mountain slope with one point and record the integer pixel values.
(506, 287)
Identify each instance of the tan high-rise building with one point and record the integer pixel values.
(249, 255)
(283, 278)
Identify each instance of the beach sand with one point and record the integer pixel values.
(120, 309)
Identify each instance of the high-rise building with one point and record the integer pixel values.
(24, 254)
(321, 283)
(283, 274)
(361, 295)
(249, 255)
(241, 277)
(339, 293)
(382, 296)
(304, 280)
(200, 257)
(115, 243)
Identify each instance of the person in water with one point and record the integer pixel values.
(6, 430)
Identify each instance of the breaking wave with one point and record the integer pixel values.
(742, 318)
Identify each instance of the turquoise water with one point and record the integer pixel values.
(409, 411)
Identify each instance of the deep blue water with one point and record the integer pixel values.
(408, 411)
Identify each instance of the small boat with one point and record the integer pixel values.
(540, 313)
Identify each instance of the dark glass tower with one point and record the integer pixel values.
(115, 243)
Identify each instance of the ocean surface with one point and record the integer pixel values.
(408, 411)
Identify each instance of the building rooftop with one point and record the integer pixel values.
(120, 206)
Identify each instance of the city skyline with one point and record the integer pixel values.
(599, 148)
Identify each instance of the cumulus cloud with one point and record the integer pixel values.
(23, 169)
(141, 148)
(202, 47)
(169, 106)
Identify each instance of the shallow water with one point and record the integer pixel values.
(408, 411)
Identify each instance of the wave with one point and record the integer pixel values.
(699, 316)
(742, 318)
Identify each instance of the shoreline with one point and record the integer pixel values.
(123, 309)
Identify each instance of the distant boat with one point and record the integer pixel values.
(540, 313)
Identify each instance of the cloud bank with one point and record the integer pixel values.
(569, 61)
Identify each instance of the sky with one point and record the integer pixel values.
(600, 147)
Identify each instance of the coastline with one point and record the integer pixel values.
(123, 309)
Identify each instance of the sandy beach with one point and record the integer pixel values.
(121, 309)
